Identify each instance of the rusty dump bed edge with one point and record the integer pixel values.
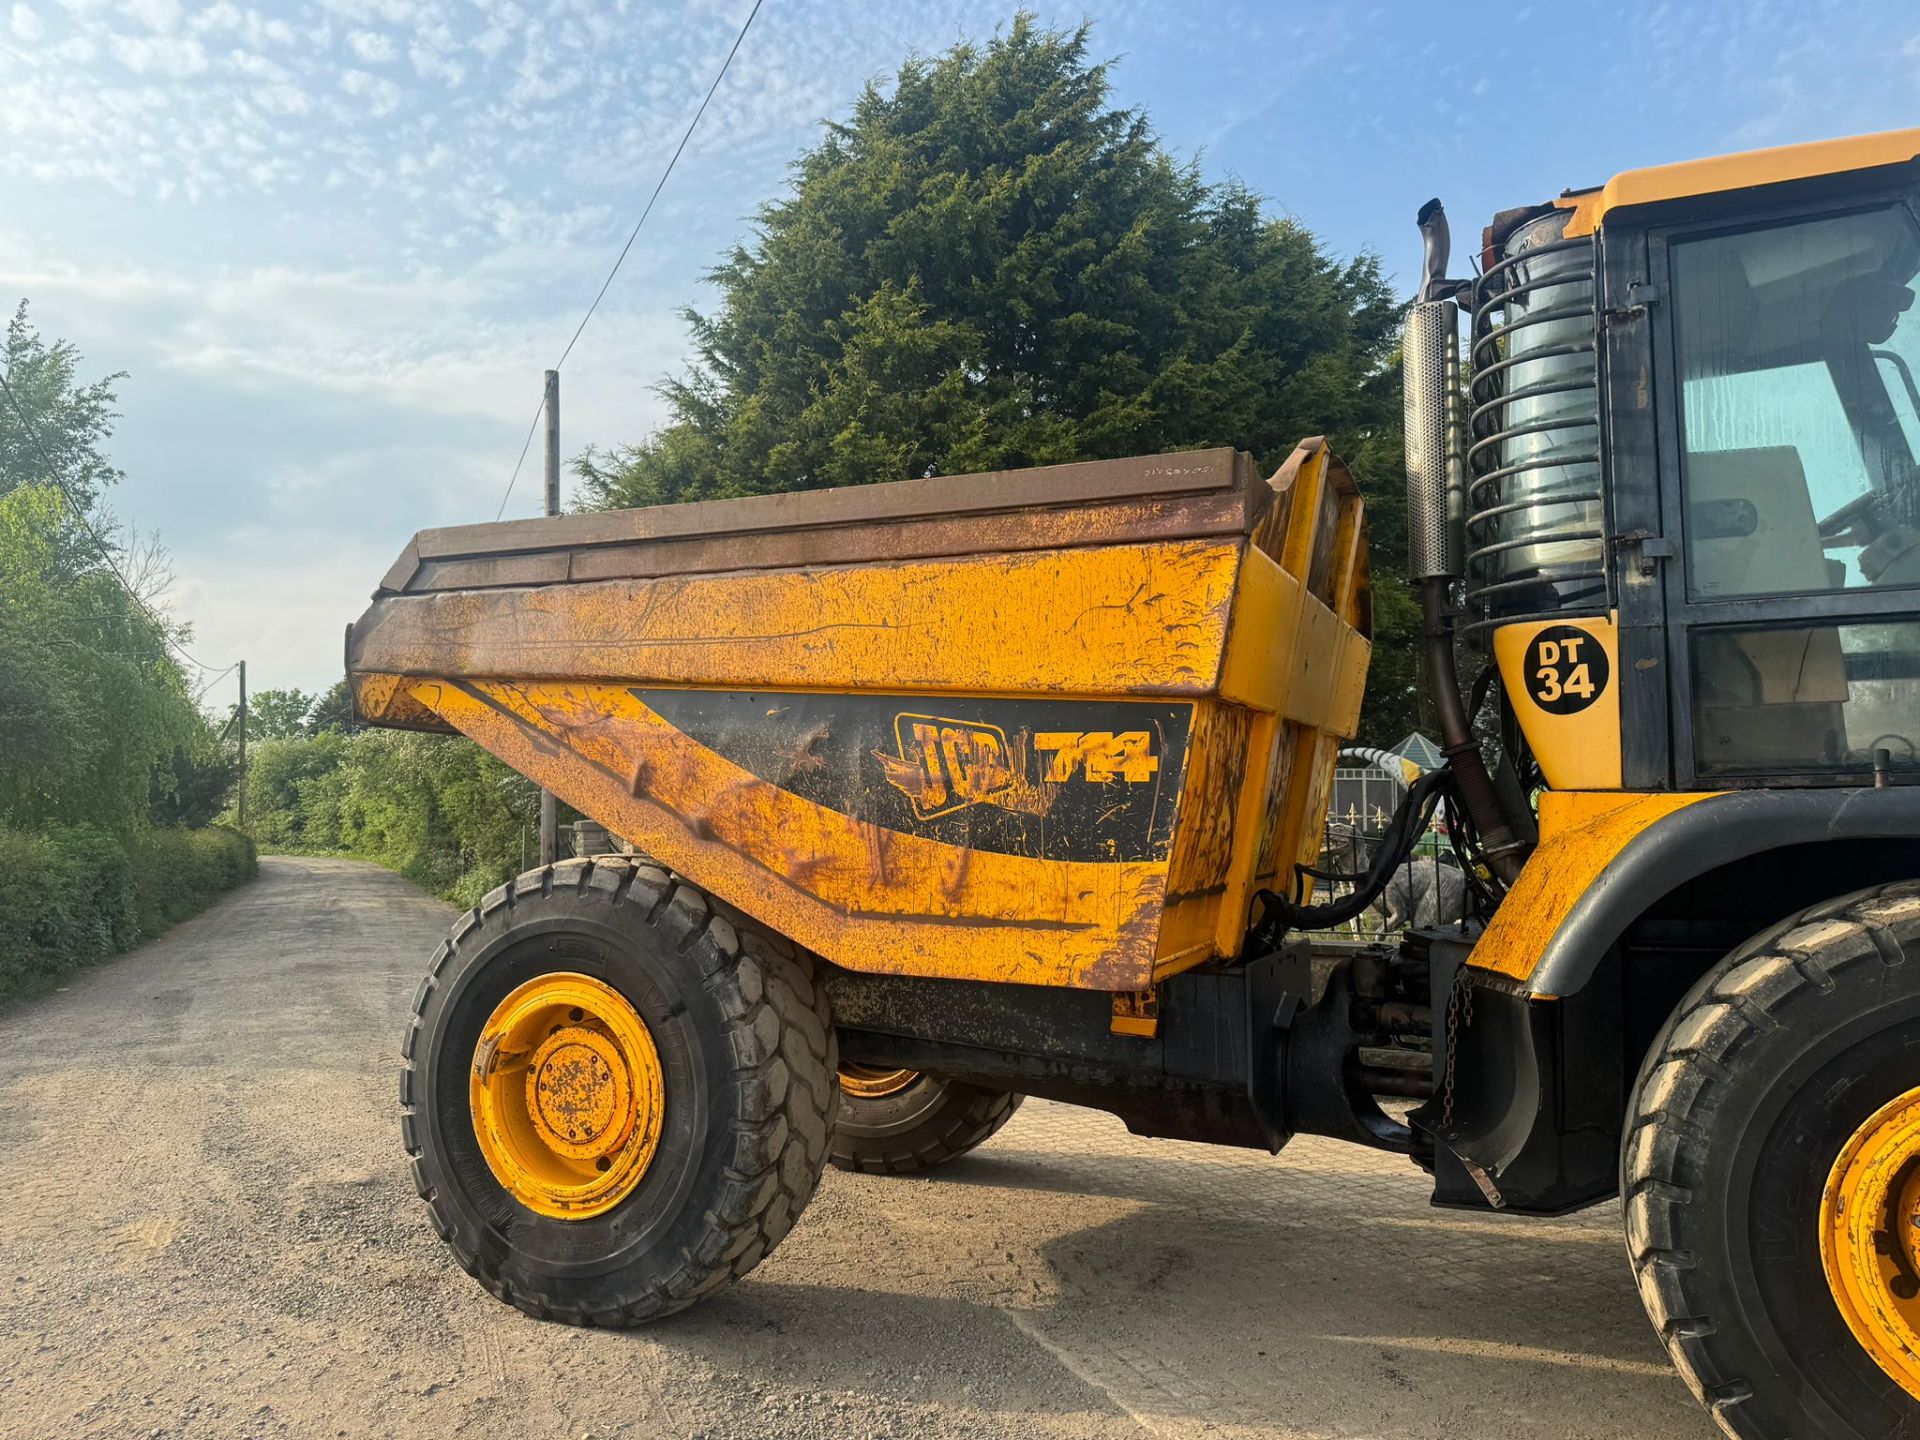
(1050, 726)
(1202, 492)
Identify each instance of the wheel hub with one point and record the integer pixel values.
(1870, 1238)
(579, 1093)
(568, 1096)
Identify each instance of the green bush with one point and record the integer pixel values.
(178, 873)
(440, 810)
(77, 894)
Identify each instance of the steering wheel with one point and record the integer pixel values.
(1861, 507)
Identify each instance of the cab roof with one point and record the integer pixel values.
(1736, 172)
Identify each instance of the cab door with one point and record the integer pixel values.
(1787, 570)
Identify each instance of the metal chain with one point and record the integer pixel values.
(1459, 1016)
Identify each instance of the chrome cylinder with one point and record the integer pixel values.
(1436, 493)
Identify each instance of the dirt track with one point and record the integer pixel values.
(206, 1230)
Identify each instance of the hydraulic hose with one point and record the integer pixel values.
(1403, 832)
(1498, 835)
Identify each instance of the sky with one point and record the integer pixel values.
(334, 243)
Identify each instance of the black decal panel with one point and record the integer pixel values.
(1049, 779)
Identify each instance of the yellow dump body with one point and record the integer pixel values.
(1050, 726)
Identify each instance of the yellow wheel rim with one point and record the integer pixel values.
(1870, 1238)
(568, 1096)
(868, 1082)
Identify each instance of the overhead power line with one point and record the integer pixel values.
(621, 259)
(106, 551)
(200, 694)
(525, 446)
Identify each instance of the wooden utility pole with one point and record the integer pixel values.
(243, 745)
(549, 807)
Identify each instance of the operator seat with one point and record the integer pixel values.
(1772, 697)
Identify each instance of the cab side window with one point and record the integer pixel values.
(1799, 350)
(1796, 343)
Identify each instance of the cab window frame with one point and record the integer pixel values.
(1872, 416)
(1644, 244)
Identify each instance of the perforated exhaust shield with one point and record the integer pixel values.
(1436, 500)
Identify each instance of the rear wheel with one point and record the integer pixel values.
(893, 1122)
(1771, 1171)
(615, 1098)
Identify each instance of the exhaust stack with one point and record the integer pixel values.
(1436, 238)
(1436, 465)
(1436, 526)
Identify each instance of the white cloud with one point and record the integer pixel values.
(432, 341)
(382, 95)
(277, 92)
(27, 25)
(159, 54)
(255, 30)
(372, 46)
(259, 67)
(160, 16)
(301, 599)
(492, 40)
(543, 75)
(392, 12)
(433, 58)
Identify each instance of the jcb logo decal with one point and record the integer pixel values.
(1098, 755)
(944, 765)
(1567, 669)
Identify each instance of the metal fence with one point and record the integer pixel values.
(1364, 800)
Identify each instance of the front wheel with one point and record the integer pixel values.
(615, 1098)
(1771, 1171)
(895, 1122)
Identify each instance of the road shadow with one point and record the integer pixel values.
(1310, 1299)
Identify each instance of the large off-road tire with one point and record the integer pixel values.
(725, 1098)
(1788, 1068)
(894, 1124)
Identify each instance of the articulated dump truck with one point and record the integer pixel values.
(950, 791)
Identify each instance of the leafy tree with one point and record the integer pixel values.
(278, 714)
(284, 782)
(333, 711)
(98, 724)
(192, 790)
(988, 265)
(70, 421)
(92, 703)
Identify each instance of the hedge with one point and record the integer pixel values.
(75, 895)
(436, 808)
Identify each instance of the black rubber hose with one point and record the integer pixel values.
(1403, 832)
(1482, 802)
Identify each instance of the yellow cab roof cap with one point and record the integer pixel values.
(1737, 172)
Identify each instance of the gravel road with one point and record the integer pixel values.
(206, 1230)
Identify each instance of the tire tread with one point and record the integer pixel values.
(785, 1057)
(955, 1130)
(1749, 994)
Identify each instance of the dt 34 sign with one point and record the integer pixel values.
(1566, 669)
